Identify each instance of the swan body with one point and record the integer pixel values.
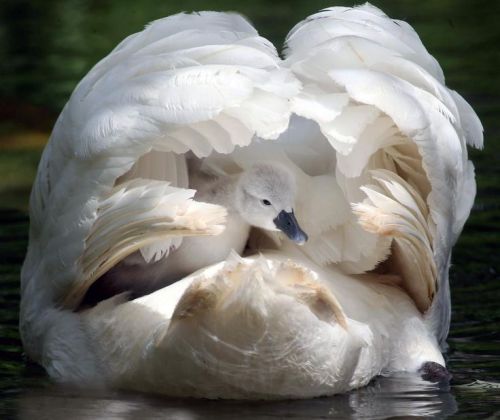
(227, 337)
(357, 111)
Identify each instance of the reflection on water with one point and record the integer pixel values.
(397, 396)
(45, 48)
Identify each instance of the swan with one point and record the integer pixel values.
(263, 196)
(358, 112)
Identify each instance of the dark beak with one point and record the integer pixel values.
(287, 223)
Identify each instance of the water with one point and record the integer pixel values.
(46, 47)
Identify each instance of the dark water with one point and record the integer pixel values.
(46, 47)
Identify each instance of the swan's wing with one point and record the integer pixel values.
(135, 215)
(400, 138)
(162, 166)
(192, 82)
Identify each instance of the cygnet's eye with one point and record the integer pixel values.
(266, 202)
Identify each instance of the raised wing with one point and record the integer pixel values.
(400, 139)
(192, 82)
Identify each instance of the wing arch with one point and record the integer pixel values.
(400, 138)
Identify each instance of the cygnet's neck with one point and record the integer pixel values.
(221, 191)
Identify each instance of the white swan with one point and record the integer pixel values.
(357, 110)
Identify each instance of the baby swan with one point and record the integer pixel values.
(262, 196)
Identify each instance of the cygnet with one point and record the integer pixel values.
(263, 196)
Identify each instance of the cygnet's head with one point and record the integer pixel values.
(265, 198)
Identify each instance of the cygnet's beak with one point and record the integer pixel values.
(287, 223)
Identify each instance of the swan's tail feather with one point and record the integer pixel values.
(135, 215)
